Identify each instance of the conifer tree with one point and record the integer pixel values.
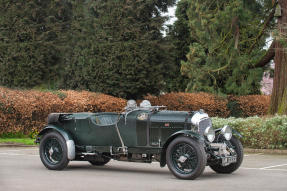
(118, 47)
(279, 92)
(226, 41)
(32, 40)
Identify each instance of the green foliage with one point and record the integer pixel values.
(119, 48)
(25, 141)
(178, 36)
(32, 42)
(234, 108)
(219, 58)
(13, 135)
(264, 133)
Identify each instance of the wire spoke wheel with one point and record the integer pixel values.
(184, 158)
(53, 151)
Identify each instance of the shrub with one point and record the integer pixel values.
(264, 133)
(249, 105)
(213, 105)
(25, 111)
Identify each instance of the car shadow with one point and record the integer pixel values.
(117, 169)
(207, 174)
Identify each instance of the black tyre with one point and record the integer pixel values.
(100, 161)
(185, 158)
(237, 146)
(53, 151)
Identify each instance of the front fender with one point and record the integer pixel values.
(234, 132)
(189, 133)
(71, 151)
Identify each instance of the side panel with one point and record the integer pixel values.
(163, 124)
(89, 133)
(127, 130)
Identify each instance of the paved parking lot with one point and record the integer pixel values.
(21, 169)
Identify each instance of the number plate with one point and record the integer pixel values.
(229, 159)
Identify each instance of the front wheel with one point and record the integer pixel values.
(237, 146)
(185, 158)
(53, 151)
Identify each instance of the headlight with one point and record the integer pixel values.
(226, 131)
(210, 134)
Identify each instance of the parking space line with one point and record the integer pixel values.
(268, 167)
(21, 150)
(263, 169)
(16, 154)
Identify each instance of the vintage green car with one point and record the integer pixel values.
(185, 141)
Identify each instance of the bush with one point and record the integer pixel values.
(25, 111)
(236, 106)
(264, 133)
(249, 105)
(213, 105)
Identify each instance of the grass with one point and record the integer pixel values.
(25, 141)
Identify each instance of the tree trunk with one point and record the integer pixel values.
(279, 92)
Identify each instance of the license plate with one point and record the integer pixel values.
(228, 160)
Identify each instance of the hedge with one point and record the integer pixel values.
(213, 105)
(25, 111)
(263, 133)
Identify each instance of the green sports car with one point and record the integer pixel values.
(185, 141)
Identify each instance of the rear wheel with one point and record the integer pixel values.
(100, 161)
(53, 151)
(237, 146)
(186, 158)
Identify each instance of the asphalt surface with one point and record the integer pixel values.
(21, 169)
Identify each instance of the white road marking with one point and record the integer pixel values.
(16, 154)
(21, 150)
(248, 155)
(249, 168)
(264, 168)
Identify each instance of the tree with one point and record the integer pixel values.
(178, 36)
(279, 92)
(227, 41)
(118, 48)
(32, 40)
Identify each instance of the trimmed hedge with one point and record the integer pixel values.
(213, 105)
(246, 106)
(236, 106)
(264, 133)
(26, 111)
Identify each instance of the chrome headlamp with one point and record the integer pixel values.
(210, 134)
(226, 131)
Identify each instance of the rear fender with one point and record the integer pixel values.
(71, 151)
(188, 133)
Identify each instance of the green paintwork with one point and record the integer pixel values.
(98, 129)
(140, 135)
(64, 133)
